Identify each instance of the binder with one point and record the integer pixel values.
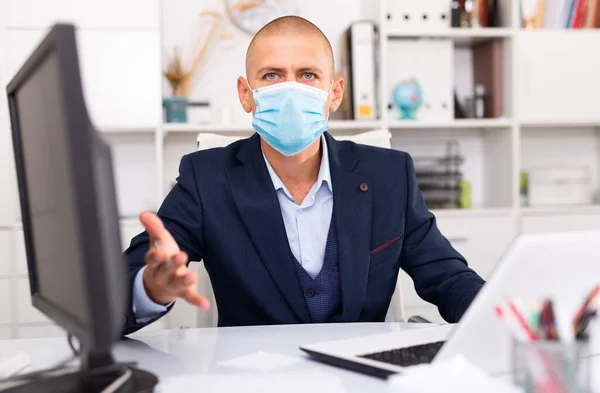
(359, 68)
(441, 91)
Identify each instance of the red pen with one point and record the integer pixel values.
(521, 320)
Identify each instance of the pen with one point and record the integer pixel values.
(584, 322)
(549, 321)
(531, 336)
(586, 305)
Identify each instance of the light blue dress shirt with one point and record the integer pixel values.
(306, 226)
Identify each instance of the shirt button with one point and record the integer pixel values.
(310, 293)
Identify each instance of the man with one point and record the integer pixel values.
(292, 225)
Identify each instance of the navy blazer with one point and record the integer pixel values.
(224, 211)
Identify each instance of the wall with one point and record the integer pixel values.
(120, 66)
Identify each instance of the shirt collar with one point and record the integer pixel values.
(323, 177)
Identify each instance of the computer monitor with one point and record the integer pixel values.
(77, 274)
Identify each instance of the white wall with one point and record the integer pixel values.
(217, 83)
(119, 55)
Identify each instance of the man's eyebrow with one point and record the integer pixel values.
(265, 70)
(315, 70)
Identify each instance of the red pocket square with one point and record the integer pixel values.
(386, 245)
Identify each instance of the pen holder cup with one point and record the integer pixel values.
(552, 366)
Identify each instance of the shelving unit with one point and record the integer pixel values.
(540, 105)
(461, 37)
(458, 124)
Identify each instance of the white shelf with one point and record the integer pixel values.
(555, 124)
(334, 125)
(357, 125)
(464, 213)
(560, 210)
(128, 221)
(127, 130)
(559, 31)
(453, 124)
(184, 128)
(467, 36)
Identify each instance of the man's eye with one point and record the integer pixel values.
(308, 75)
(271, 76)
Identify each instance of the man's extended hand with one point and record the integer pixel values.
(166, 276)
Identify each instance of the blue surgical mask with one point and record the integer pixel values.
(290, 116)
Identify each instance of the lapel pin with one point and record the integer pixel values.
(364, 187)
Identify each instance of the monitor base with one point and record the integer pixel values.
(69, 380)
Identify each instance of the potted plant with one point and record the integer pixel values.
(181, 75)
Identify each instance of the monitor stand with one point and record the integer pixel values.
(96, 375)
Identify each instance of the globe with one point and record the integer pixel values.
(408, 97)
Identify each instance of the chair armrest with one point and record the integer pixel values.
(418, 319)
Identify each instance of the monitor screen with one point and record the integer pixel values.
(56, 247)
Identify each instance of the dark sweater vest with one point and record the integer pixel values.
(322, 294)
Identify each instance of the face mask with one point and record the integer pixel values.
(290, 116)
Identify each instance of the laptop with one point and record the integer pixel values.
(563, 266)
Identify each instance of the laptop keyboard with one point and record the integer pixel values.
(409, 356)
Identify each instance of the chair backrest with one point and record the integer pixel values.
(189, 315)
(378, 138)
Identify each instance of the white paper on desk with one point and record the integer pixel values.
(296, 383)
(261, 361)
(455, 375)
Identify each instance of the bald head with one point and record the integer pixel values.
(290, 49)
(285, 28)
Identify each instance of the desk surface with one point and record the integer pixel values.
(199, 351)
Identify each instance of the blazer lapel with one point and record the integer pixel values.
(352, 201)
(257, 203)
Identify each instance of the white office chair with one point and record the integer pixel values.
(186, 315)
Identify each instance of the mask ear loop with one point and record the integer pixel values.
(328, 93)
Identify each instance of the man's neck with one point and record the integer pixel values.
(298, 170)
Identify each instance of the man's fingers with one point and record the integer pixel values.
(181, 258)
(193, 297)
(154, 226)
(157, 232)
(155, 257)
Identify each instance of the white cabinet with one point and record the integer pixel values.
(5, 298)
(568, 89)
(129, 230)
(41, 331)
(5, 333)
(20, 254)
(26, 312)
(481, 240)
(5, 253)
(560, 223)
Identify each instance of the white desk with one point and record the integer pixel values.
(198, 351)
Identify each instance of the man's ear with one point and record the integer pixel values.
(245, 94)
(338, 93)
